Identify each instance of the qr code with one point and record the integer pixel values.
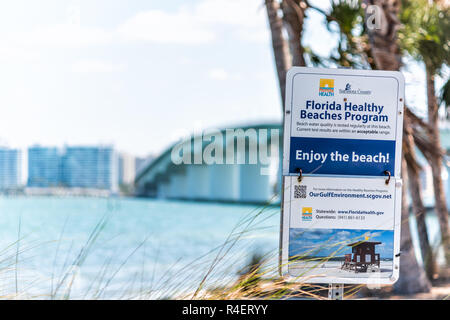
(300, 192)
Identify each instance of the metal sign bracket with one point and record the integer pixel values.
(336, 291)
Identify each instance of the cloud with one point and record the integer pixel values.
(96, 66)
(218, 74)
(31, 45)
(310, 234)
(58, 35)
(247, 19)
(203, 22)
(343, 235)
(249, 13)
(222, 74)
(372, 235)
(199, 23)
(11, 53)
(157, 26)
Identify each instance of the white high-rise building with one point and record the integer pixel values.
(127, 169)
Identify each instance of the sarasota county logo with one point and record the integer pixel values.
(306, 213)
(326, 87)
(349, 90)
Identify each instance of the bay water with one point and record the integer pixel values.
(105, 248)
(112, 248)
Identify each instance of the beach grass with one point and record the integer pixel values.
(231, 270)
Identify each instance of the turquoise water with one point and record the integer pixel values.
(147, 248)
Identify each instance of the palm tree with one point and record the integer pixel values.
(383, 41)
(445, 98)
(293, 17)
(356, 50)
(352, 48)
(426, 37)
(386, 54)
(414, 184)
(279, 45)
(412, 277)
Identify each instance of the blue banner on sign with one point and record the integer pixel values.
(342, 156)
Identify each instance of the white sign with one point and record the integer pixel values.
(343, 122)
(343, 136)
(323, 217)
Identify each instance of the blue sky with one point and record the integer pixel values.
(140, 74)
(325, 242)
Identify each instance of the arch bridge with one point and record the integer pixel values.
(231, 165)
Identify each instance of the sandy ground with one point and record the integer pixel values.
(333, 269)
(441, 292)
(437, 293)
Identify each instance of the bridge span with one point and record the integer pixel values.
(231, 165)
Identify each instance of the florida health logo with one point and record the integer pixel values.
(307, 214)
(326, 87)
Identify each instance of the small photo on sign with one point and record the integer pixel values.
(340, 252)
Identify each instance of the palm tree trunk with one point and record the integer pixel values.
(436, 163)
(385, 51)
(418, 207)
(280, 47)
(412, 277)
(383, 41)
(293, 16)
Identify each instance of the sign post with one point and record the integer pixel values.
(341, 177)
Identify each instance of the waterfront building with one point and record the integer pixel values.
(44, 167)
(10, 168)
(90, 167)
(127, 169)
